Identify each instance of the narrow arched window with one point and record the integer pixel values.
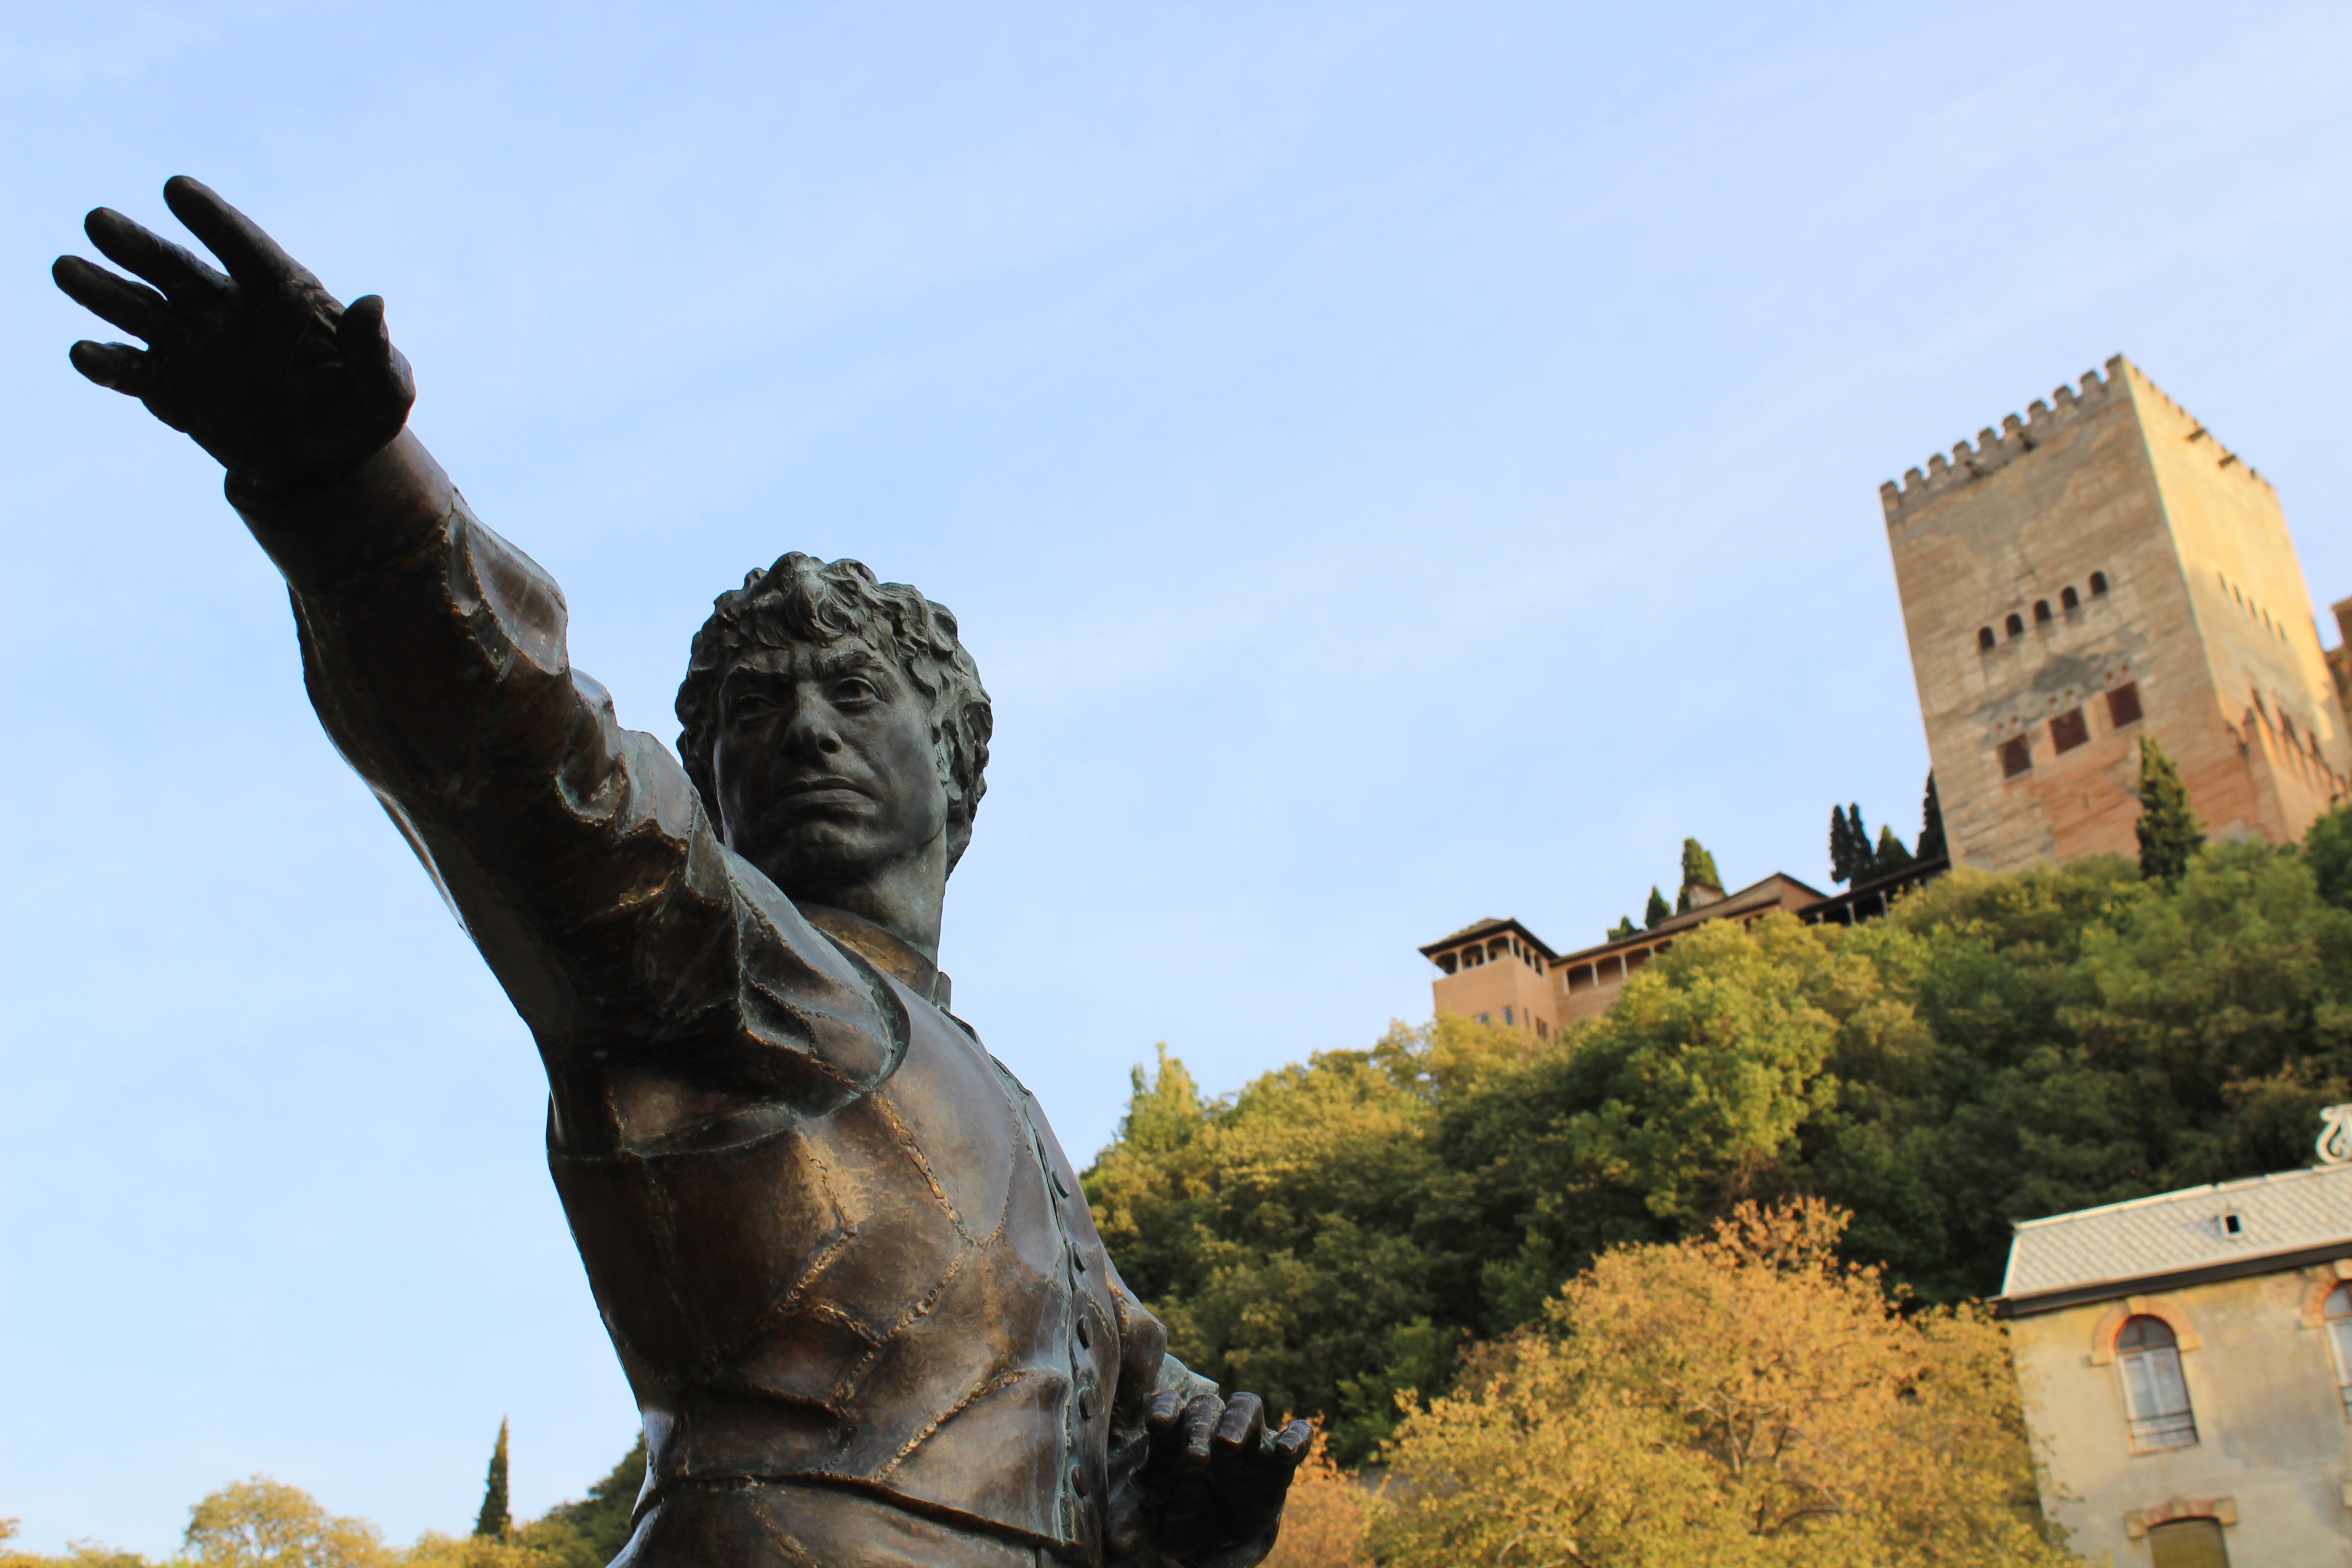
(2156, 1396)
(2339, 1341)
(2068, 599)
(2016, 625)
(2098, 583)
(2041, 611)
(1984, 640)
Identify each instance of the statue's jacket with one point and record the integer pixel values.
(834, 1241)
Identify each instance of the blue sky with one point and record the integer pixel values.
(1395, 463)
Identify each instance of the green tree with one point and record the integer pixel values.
(1623, 929)
(496, 1519)
(1657, 912)
(1279, 1232)
(1890, 856)
(2168, 830)
(604, 1520)
(1931, 824)
(1850, 848)
(1698, 868)
(2327, 850)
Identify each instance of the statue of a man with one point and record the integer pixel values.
(845, 1266)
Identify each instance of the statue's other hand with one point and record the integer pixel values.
(1215, 1479)
(265, 369)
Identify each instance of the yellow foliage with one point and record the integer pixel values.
(1323, 1522)
(1739, 1400)
(262, 1523)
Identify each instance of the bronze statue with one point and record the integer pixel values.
(845, 1266)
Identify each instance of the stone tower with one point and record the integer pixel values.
(2101, 569)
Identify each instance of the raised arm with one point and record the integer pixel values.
(577, 852)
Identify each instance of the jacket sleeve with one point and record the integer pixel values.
(576, 853)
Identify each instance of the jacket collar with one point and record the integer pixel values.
(886, 953)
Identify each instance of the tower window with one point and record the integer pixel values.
(2016, 625)
(1984, 640)
(2068, 599)
(2122, 704)
(2156, 1395)
(2069, 729)
(2041, 611)
(2098, 583)
(2016, 757)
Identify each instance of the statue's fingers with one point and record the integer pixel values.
(176, 271)
(366, 343)
(1166, 1405)
(1201, 1418)
(1243, 1423)
(134, 306)
(1290, 1446)
(117, 366)
(251, 257)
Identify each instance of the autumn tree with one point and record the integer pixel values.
(259, 1522)
(1740, 1397)
(1323, 1519)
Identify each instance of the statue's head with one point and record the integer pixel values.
(833, 724)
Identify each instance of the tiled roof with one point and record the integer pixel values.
(2121, 1242)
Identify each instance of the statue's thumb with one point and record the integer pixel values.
(366, 345)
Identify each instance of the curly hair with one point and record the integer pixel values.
(802, 600)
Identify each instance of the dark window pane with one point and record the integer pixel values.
(2068, 598)
(2016, 626)
(1984, 637)
(2098, 583)
(2016, 756)
(2069, 729)
(2123, 705)
(2041, 611)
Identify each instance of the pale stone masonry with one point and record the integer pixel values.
(2100, 568)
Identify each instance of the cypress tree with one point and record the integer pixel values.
(2169, 832)
(1623, 929)
(496, 1521)
(1698, 865)
(1890, 856)
(1931, 824)
(1850, 850)
(1657, 913)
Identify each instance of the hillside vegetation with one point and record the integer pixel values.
(1997, 1049)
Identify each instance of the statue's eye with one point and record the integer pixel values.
(750, 706)
(855, 689)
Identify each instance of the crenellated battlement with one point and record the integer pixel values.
(1993, 450)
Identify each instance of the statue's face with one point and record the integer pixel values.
(824, 765)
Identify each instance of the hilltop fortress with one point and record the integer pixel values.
(2098, 569)
(2102, 568)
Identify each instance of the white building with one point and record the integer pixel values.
(2186, 1363)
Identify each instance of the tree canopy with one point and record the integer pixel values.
(1743, 1396)
(1997, 1049)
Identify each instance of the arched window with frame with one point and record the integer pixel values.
(2156, 1395)
(2337, 1316)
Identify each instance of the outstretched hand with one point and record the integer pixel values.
(284, 384)
(1215, 1479)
